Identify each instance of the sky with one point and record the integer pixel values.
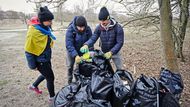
(22, 6)
(17, 5)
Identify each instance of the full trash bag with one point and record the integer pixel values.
(66, 95)
(84, 99)
(103, 64)
(145, 92)
(93, 87)
(78, 95)
(172, 82)
(123, 81)
(86, 68)
(167, 99)
(101, 85)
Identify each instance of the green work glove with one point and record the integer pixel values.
(78, 59)
(84, 49)
(108, 55)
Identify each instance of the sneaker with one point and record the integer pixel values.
(35, 89)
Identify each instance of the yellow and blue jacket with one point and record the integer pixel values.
(38, 45)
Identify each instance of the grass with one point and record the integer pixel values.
(3, 82)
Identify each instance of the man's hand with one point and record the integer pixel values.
(78, 59)
(108, 55)
(84, 49)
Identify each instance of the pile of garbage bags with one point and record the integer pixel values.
(98, 85)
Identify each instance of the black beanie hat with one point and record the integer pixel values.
(103, 14)
(81, 21)
(44, 14)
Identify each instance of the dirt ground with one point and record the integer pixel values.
(140, 52)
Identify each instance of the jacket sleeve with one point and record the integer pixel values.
(69, 40)
(119, 40)
(89, 31)
(94, 37)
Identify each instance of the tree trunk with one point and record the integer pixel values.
(184, 15)
(166, 36)
(59, 17)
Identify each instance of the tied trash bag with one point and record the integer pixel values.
(66, 95)
(123, 81)
(172, 82)
(145, 92)
(101, 85)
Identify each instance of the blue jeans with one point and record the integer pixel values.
(70, 61)
(117, 61)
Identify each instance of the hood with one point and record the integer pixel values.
(112, 23)
(73, 24)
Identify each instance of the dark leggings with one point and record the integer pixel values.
(46, 73)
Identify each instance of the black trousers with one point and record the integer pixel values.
(46, 73)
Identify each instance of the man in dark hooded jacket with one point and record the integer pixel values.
(111, 36)
(77, 34)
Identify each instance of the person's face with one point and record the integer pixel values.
(104, 22)
(47, 23)
(80, 28)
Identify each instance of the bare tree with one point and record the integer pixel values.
(166, 35)
(141, 13)
(56, 4)
(51, 3)
(146, 11)
(86, 5)
(183, 20)
(60, 14)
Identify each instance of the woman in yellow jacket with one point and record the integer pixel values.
(38, 50)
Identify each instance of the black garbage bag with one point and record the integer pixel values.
(84, 99)
(145, 92)
(172, 82)
(100, 103)
(98, 63)
(103, 64)
(93, 87)
(66, 95)
(101, 85)
(167, 99)
(123, 81)
(93, 103)
(78, 95)
(87, 68)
